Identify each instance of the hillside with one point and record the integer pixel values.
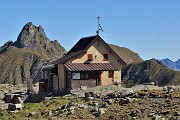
(19, 61)
(126, 54)
(150, 71)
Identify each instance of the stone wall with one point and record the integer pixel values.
(76, 84)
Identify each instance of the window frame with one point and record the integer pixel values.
(89, 57)
(110, 74)
(105, 57)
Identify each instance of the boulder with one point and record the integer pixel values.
(157, 117)
(50, 113)
(3, 106)
(109, 101)
(11, 107)
(1, 95)
(176, 113)
(19, 106)
(123, 101)
(18, 100)
(101, 111)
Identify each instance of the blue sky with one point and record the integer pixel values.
(149, 27)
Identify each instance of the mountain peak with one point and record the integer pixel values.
(31, 36)
(171, 64)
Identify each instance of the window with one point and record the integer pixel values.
(84, 76)
(105, 57)
(111, 73)
(75, 76)
(80, 76)
(89, 57)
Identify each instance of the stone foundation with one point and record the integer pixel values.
(76, 84)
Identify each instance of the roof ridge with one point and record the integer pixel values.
(89, 36)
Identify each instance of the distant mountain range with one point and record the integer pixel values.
(171, 64)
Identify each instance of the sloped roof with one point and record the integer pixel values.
(68, 56)
(82, 44)
(90, 67)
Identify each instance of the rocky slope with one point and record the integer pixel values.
(126, 54)
(19, 61)
(171, 64)
(150, 71)
(106, 103)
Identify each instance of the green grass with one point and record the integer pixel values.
(32, 107)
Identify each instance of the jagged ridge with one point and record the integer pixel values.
(20, 60)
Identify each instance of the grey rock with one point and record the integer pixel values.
(71, 112)
(123, 101)
(103, 104)
(176, 113)
(4, 106)
(95, 103)
(11, 107)
(19, 106)
(18, 100)
(157, 117)
(32, 114)
(101, 111)
(132, 99)
(50, 113)
(64, 107)
(72, 108)
(81, 106)
(96, 109)
(109, 101)
(90, 98)
(1, 95)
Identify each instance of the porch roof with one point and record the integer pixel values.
(90, 67)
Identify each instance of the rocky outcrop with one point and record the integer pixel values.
(21, 60)
(126, 54)
(31, 36)
(150, 71)
(34, 37)
(5, 46)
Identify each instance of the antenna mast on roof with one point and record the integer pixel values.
(99, 26)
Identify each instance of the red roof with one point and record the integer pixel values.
(90, 67)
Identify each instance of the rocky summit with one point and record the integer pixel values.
(22, 59)
(31, 36)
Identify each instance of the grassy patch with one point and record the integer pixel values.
(3, 115)
(32, 107)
